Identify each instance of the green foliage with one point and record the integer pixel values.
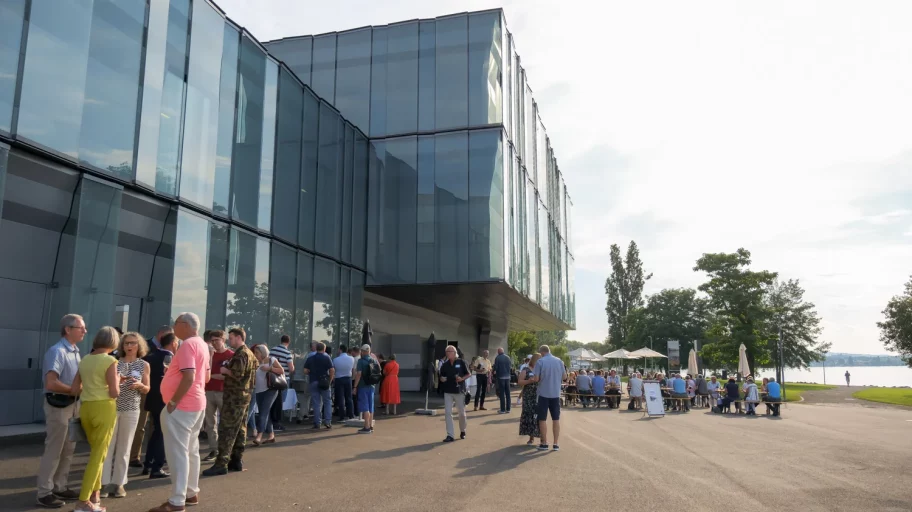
(799, 322)
(896, 329)
(672, 314)
(561, 352)
(522, 343)
(624, 288)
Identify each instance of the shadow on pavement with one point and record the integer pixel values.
(395, 452)
(504, 459)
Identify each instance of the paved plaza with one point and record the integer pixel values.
(815, 458)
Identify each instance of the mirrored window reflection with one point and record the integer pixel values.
(303, 304)
(530, 209)
(378, 82)
(310, 146)
(451, 178)
(544, 254)
(426, 258)
(328, 223)
(155, 49)
(246, 160)
(267, 154)
(226, 117)
(248, 284)
(296, 54)
(541, 159)
(356, 305)
(452, 73)
(344, 308)
(288, 158)
(340, 182)
(506, 61)
(353, 76)
(217, 277)
(519, 194)
(398, 225)
(359, 193)
(282, 292)
(529, 134)
(427, 72)
(12, 13)
(324, 67)
(157, 312)
(201, 125)
(402, 79)
(172, 98)
(324, 325)
(376, 157)
(485, 205)
(347, 171)
(485, 73)
(507, 205)
(191, 258)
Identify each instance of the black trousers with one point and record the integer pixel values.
(481, 390)
(276, 412)
(155, 452)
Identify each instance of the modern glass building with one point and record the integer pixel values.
(156, 158)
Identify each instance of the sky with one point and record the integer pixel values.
(784, 127)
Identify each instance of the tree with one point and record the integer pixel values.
(624, 288)
(672, 314)
(736, 294)
(520, 344)
(787, 310)
(896, 329)
(561, 352)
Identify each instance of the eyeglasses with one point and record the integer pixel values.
(77, 327)
(131, 343)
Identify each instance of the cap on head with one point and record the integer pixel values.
(366, 348)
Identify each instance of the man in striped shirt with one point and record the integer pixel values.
(283, 355)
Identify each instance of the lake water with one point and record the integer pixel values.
(886, 376)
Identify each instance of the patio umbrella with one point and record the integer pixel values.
(646, 353)
(367, 333)
(584, 354)
(743, 367)
(692, 367)
(619, 354)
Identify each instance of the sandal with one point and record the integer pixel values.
(256, 443)
(269, 441)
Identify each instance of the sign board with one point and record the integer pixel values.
(655, 405)
(674, 355)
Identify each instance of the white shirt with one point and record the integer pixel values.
(636, 387)
(713, 388)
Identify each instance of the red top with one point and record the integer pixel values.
(218, 361)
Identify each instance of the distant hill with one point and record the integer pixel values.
(844, 359)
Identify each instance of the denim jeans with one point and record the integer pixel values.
(322, 401)
(251, 416)
(503, 393)
(264, 404)
(344, 402)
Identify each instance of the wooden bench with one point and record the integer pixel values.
(727, 408)
(565, 397)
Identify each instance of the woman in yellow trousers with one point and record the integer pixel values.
(98, 386)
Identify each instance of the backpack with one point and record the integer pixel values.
(373, 374)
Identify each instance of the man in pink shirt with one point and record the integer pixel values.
(183, 390)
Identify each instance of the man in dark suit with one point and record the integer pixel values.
(158, 359)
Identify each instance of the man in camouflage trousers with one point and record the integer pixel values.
(232, 429)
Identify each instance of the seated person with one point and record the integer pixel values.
(732, 393)
(679, 390)
(702, 391)
(751, 396)
(584, 387)
(598, 387)
(614, 389)
(773, 394)
(712, 389)
(635, 390)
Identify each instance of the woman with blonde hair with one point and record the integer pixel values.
(134, 373)
(264, 395)
(97, 385)
(528, 422)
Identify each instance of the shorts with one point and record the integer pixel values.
(548, 404)
(366, 399)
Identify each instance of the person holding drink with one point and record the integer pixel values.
(453, 374)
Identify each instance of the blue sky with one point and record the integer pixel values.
(691, 127)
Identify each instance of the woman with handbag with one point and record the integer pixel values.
(98, 386)
(270, 377)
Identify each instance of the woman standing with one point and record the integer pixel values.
(389, 393)
(97, 385)
(528, 422)
(134, 373)
(264, 395)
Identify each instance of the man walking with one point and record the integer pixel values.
(215, 390)
(453, 372)
(549, 374)
(60, 366)
(139, 434)
(159, 359)
(344, 366)
(282, 353)
(502, 366)
(320, 374)
(482, 369)
(183, 390)
(239, 373)
(848, 376)
(365, 374)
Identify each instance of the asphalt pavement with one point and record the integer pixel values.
(813, 458)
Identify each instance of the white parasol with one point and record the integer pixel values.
(743, 367)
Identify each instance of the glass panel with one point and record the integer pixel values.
(340, 181)
(172, 98)
(324, 67)
(217, 277)
(303, 305)
(336, 310)
(267, 156)
(12, 13)
(54, 75)
(202, 113)
(541, 159)
(485, 87)
(226, 116)
(153, 77)
(288, 158)
(281, 293)
(452, 73)
(296, 54)
(519, 195)
(323, 297)
(507, 205)
(346, 202)
(427, 71)
(359, 209)
(309, 146)
(402, 79)
(376, 157)
(353, 75)
(485, 205)
(190, 266)
(426, 256)
(344, 309)
(378, 83)
(157, 310)
(327, 180)
(356, 306)
(451, 179)
(544, 255)
(530, 209)
(246, 160)
(396, 258)
(529, 134)
(248, 285)
(506, 63)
